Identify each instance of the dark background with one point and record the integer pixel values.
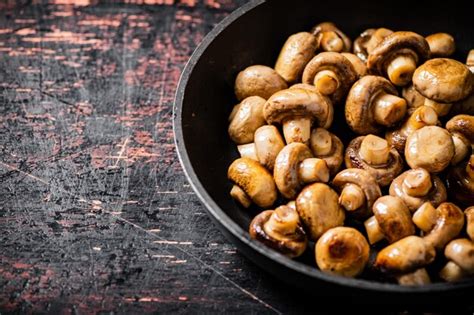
(96, 214)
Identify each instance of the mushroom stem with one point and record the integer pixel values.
(425, 217)
(374, 150)
(400, 70)
(470, 168)
(352, 197)
(417, 183)
(283, 221)
(326, 82)
(239, 195)
(330, 41)
(248, 150)
(461, 148)
(313, 170)
(321, 142)
(470, 60)
(389, 109)
(442, 109)
(297, 130)
(421, 117)
(374, 232)
(452, 272)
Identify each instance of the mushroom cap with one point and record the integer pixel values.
(258, 80)
(331, 27)
(469, 212)
(360, 44)
(393, 217)
(405, 255)
(359, 66)
(366, 182)
(441, 44)
(247, 118)
(342, 251)
(298, 49)
(286, 168)
(461, 251)
(318, 207)
(383, 174)
(268, 143)
(395, 44)
(415, 278)
(463, 124)
(255, 180)
(436, 195)
(448, 225)
(460, 185)
(359, 103)
(413, 97)
(291, 245)
(290, 103)
(337, 63)
(430, 147)
(335, 158)
(443, 80)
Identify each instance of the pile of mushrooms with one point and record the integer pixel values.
(398, 187)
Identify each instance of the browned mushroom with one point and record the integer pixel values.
(245, 119)
(331, 73)
(430, 147)
(374, 155)
(461, 128)
(421, 117)
(460, 181)
(368, 40)
(295, 166)
(415, 278)
(359, 66)
(253, 183)
(469, 212)
(329, 147)
(460, 252)
(358, 191)
(391, 220)
(281, 230)
(297, 51)
(448, 225)
(342, 251)
(398, 55)
(415, 99)
(330, 38)
(319, 210)
(372, 104)
(258, 80)
(470, 60)
(417, 186)
(297, 109)
(405, 255)
(441, 44)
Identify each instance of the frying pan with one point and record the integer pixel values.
(254, 34)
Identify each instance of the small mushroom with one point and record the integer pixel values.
(331, 73)
(421, 117)
(358, 191)
(342, 251)
(297, 51)
(297, 110)
(430, 147)
(415, 99)
(245, 119)
(449, 223)
(319, 209)
(470, 60)
(416, 278)
(295, 166)
(461, 128)
(374, 155)
(252, 182)
(469, 212)
(258, 80)
(372, 104)
(398, 55)
(328, 147)
(441, 44)
(330, 38)
(460, 182)
(281, 230)
(460, 253)
(267, 144)
(359, 66)
(417, 186)
(368, 40)
(391, 220)
(405, 255)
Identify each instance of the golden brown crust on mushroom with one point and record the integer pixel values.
(318, 207)
(384, 173)
(359, 66)
(247, 118)
(324, 27)
(449, 223)
(255, 180)
(460, 182)
(335, 157)
(436, 195)
(297, 51)
(469, 212)
(342, 251)
(258, 80)
(393, 217)
(441, 44)
(364, 181)
(462, 124)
